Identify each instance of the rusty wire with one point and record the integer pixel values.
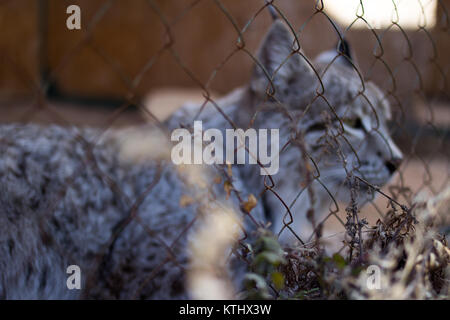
(399, 195)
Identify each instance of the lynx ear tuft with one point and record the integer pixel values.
(281, 62)
(343, 49)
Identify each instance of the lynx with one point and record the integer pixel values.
(69, 197)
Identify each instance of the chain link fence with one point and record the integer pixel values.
(409, 64)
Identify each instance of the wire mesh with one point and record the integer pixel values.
(422, 138)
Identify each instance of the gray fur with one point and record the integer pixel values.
(64, 195)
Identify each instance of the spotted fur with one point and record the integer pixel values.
(68, 197)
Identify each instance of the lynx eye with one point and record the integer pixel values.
(355, 123)
(317, 127)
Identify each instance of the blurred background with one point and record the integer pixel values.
(134, 56)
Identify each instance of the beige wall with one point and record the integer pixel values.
(130, 34)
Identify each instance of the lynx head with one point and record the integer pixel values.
(338, 118)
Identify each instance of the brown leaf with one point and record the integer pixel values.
(185, 201)
(250, 203)
(230, 171)
(228, 187)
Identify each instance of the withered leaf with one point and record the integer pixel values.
(250, 203)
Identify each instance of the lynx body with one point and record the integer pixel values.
(67, 198)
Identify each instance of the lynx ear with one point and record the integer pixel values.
(287, 69)
(346, 59)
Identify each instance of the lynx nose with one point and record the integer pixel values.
(393, 164)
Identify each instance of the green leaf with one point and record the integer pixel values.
(253, 280)
(339, 261)
(271, 244)
(356, 271)
(268, 258)
(278, 280)
(305, 293)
